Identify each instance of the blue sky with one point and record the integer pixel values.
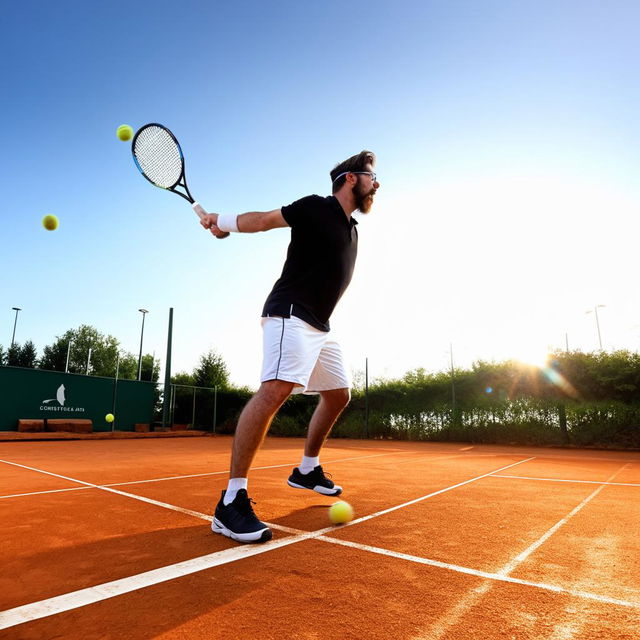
(507, 137)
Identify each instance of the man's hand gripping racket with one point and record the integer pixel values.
(158, 156)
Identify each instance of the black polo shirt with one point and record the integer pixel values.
(320, 261)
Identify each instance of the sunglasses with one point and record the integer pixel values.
(374, 177)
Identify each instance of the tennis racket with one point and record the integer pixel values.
(159, 158)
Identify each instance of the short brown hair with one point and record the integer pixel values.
(354, 163)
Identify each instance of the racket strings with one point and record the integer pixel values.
(159, 156)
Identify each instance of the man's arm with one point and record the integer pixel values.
(250, 222)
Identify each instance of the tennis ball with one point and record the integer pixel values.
(125, 132)
(50, 222)
(340, 512)
(109, 417)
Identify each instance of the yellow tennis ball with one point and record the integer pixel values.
(125, 132)
(109, 417)
(340, 512)
(50, 222)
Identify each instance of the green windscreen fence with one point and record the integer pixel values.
(34, 394)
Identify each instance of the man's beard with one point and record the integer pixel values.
(363, 198)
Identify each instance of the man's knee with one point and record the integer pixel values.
(338, 398)
(275, 391)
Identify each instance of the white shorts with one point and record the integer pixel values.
(296, 352)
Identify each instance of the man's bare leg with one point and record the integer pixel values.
(331, 405)
(254, 423)
(309, 475)
(234, 516)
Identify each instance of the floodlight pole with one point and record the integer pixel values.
(115, 391)
(595, 311)
(215, 407)
(366, 397)
(66, 366)
(144, 313)
(15, 322)
(166, 405)
(453, 385)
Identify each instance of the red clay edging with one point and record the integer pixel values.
(13, 436)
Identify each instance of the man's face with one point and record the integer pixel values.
(364, 189)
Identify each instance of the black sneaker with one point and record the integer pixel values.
(238, 521)
(315, 480)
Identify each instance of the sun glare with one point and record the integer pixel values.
(533, 357)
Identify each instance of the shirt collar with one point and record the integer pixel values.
(338, 207)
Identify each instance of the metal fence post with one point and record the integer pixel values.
(215, 407)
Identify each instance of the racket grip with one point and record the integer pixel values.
(199, 210)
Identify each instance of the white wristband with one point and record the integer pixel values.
(227, 222)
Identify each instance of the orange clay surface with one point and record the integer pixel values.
(112, 539)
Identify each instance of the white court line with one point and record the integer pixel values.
(121, 493)
(83, 597)
(214, 473)
(461, 608)
(498, 577)
(564, 455)
(453, 616)
(39, 493)
(195, 475)
(611, 484)
(190, 512)
(197, 514)
(521, 557)
(65, 602)
(273, 466)
(431, 495)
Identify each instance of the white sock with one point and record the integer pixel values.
(308, 464)
(235, 484)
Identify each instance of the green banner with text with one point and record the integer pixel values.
(34, 394)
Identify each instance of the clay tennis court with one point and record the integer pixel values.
(111, 539)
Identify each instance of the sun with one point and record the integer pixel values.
(533, 357)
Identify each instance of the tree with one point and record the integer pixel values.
(28, 356)
(54, 357)
(212, 371)
(13, 355)
(128, 367)
(183, 379)
(150, 368)
(3, 356)
(104, 352)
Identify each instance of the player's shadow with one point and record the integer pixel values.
(309, 518)
(146, 612)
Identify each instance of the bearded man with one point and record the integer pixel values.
(298, 352)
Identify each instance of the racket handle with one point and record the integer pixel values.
(199, 210)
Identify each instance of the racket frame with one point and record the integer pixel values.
(182, 179)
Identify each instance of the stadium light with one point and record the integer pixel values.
(144, 313)
(15, 322)
(595, 311)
